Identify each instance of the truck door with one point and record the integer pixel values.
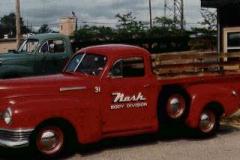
(129, 102)
(52, 57)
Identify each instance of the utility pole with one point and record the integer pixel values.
(174, 9)
(182, 15)
(150, 13)
(76, 20)
(18, 25)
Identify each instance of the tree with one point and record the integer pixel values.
(164, 36)
(8, 24)
(209, 19)
(205, 36)
(165, 22)
(94, 33)
(44, 29)
(128, 26)
(18, 25)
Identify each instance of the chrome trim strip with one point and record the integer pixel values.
(79, 62)
(16, 130)
(15, 138)
(63, 89)
(12, 144)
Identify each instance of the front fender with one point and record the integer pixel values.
(83, 117)
(202, 95)
(12, 71)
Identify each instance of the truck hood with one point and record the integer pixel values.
(41, 86)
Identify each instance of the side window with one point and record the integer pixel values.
(130, 67)
(92, 64)
(58, 46)
(53, 46)
(44, 48)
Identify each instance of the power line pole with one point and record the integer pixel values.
(18, 25)
(182, 23)
(174, 9)
(150, 13)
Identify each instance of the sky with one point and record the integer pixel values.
(100, 12)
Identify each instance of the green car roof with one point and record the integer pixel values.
(45, 36)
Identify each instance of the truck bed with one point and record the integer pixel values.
(195, 67)
(198, 78)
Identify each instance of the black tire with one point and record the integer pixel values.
(51, 132)
(173, 106)
(209, 123)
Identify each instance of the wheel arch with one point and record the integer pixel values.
(172, 88)
(215, 106)
(168, 90)
(62, 122)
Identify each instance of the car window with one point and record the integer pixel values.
(28, 46)
(53, 46)
(91, 64)
(130, 67)
(44, 48)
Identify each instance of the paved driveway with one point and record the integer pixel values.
(170, 144)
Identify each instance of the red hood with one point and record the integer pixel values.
(42, 85)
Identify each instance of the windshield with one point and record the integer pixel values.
(29, 45)
(91, 64)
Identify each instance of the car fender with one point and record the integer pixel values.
(202, 95)
(85, 119)
(14, 70)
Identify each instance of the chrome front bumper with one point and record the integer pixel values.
(15, 138)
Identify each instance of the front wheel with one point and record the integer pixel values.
(49, 141)
(209, 123)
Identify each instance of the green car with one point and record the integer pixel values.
(40, 54)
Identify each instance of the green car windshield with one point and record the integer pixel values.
(91, 64)
(29, 46)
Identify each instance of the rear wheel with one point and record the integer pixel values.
(209, 122)
(174, 107)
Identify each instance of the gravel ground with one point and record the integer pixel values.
(170, 144)
(225, 146)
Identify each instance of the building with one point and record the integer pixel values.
(67, 25)
(228, 23)
(7, 44)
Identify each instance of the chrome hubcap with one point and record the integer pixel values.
(50, 140)
(207, 121)
(176, 106)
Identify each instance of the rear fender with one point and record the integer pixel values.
(200, 98)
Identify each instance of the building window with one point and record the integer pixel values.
(233, 41)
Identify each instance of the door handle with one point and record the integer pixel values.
(146, 85)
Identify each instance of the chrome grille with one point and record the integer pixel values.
(15, 135)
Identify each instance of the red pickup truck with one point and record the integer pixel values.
(107, 91)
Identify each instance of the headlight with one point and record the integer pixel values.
(7, 115)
